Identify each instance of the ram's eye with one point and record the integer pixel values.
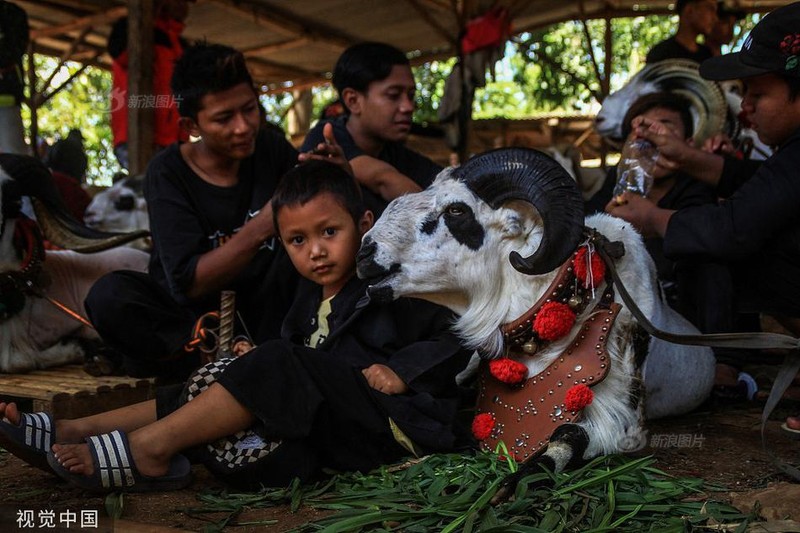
(455, 210)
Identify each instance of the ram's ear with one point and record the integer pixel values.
(516, 218)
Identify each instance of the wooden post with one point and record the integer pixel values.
(606, 88)
(33, 99)
(141, 99)
(299, 115)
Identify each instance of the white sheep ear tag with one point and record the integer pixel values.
(525, 415)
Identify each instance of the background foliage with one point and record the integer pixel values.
(549, 70)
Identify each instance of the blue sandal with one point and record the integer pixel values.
(115, 471)
(31, 440)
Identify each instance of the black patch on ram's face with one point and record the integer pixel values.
(430, 225)
(465, 228)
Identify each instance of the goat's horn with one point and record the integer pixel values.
(58, 226)
(529, 175)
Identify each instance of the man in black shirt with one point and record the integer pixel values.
(695, 18)
(211, 224)
(377, 88)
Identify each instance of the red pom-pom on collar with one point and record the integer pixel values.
(507, 370)
(578, 397)
(482, 426)
(583, 268)
(553, 321)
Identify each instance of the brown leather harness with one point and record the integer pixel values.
(526, 414)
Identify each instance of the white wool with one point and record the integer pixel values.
(486, 291)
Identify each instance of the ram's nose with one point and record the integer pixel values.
(366, 266)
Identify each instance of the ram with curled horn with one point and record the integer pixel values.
(565, 368)
(715, 107)
(42, 293)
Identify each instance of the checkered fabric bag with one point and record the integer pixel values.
(233, 451)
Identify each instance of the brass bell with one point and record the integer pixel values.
(574, 301)
(530, 347)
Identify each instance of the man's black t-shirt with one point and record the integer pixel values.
(189, 217)
(408, 162)
(671, 49)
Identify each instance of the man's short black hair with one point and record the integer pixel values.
(681, 4)
(363, 63)
(664, 100)
(308, 180)
(204, 69)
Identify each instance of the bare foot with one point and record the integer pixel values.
(9, 412)
(66, 430)
(793, 422)
(75, 458)
(78, 459)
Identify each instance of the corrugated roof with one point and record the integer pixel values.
(298, 41)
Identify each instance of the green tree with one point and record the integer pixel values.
(83, 104)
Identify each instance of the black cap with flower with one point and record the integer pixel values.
(772, 47)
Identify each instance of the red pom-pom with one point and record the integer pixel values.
(553, 321)
(482, 426)
(507, 370)
(581, 268)
(578, 397)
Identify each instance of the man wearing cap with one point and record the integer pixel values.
(695, 18)
(756, 228)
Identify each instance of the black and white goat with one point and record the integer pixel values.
(120, 208)
(34, 332)
(495, 240)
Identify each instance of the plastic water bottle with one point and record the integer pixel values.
(636, 166)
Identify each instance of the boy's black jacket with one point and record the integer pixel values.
(410, 336)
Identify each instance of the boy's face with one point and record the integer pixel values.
(768, 107)
(228, 122)
(385, 109)
(668, 120)
(322, 240)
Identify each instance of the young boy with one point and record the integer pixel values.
(700, 289)
(377, 89)
(756, 229)
(352, 385)
(210, 221)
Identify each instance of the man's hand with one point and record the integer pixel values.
(719, 144)
(676, 153)
(383, 379)
(643, 214)
(671, 147)
(329, 151)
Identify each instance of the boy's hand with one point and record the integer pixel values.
(329, 151)
(383, 379)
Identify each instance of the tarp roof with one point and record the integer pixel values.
(298, 41)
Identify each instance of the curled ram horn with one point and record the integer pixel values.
(709, 107)
(34, 180)
(525, 174)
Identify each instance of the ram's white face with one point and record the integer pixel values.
(442, 244)
(118, 208)
(608, 122)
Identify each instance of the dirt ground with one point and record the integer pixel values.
(720, 443)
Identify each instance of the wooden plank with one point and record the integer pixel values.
(69, 392)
